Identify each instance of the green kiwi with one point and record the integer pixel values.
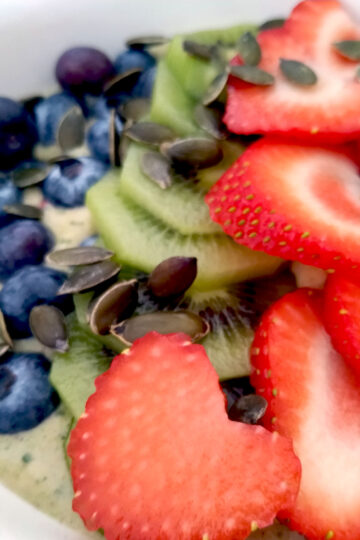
(142, 241)
(73, 373)
(195, 75)
(170, 104)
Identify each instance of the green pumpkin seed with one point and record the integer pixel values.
(114, 139)
(71, 130)
(216, 88)
(89, 277)
(248, 409)
(30, 176)
(195, 152)
(4, 334)
(23, 210)
(79, 256)
(149, 133)
(163, 322)
(272, 23)
(48, 325)
(249, 49)
(349, 48)
(135, 109)
(115, 304)
(210, 120)
(199, 50)
(253, 75)
(297, 72)
(124, 82)
(173, 276)
(157, 168)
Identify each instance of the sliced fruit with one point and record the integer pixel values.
(170, 104)
(73, 373)
(140, 240)
(341, 316)
(330, 108)
(194, 74)
(314, 399)
(294, 201)
(142, 453)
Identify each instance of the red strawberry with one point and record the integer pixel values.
(342, 317)
(314, 398)
(330, 109)
(294, 201)
(155, 455)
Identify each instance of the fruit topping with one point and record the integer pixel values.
(295, 201)
(155, 435)
(315, 91)
(313, 398)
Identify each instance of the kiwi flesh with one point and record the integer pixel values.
(142, 241)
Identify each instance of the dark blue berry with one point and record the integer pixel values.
(98, 139)
(48, 114)
(69, 180)
(9, 194)
(94, 106)
(17, 134)
(26, 395)
(26, 288)
(83, 70)
(145, 84)
(132, 59)
(22, 243)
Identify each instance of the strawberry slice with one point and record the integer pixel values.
(328, 110)
(342, 318)
(155, 455)
(313, 398)
(294, 201)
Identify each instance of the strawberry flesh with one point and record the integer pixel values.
(155, 455)
(330, 109)
(295, 201)
(313, 398)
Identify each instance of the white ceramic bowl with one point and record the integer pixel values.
(32, 35)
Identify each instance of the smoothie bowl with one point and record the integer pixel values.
(173, 175)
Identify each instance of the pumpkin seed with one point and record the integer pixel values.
(115, 304)
(349, 48)
(122, 83)
(143, 42)
(4, 334)
(135, 109)
(149, 133)
(157, 168)
(216, 88)
(199, 50)
(4, 347)
(248, 409)
(78, 256)
(71, 130)
(297, 72)
(114, 138)
(357, 74)
(210, 120)
(48, 325)
(89, 277)
(253, 75)
(23, 210)
(272, 23)
(31, 175)
(196, 152)
(124, 146)
(61, 159)
(173, 276)
(163, 322)
(249, 49)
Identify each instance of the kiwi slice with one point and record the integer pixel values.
(194, 74)
(142, 241)
(73, 373)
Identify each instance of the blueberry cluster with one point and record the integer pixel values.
(84, 74)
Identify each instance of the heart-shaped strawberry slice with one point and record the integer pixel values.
(155, 455)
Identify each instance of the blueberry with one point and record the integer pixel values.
(94, 106)
(83, 70)
(131, 59)
(9, 194)
(98, 139)
(145, 84)
(48, 114)
(17, 133)
(23, 242)
(26, 288)
(26, 395)
(69, 180)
